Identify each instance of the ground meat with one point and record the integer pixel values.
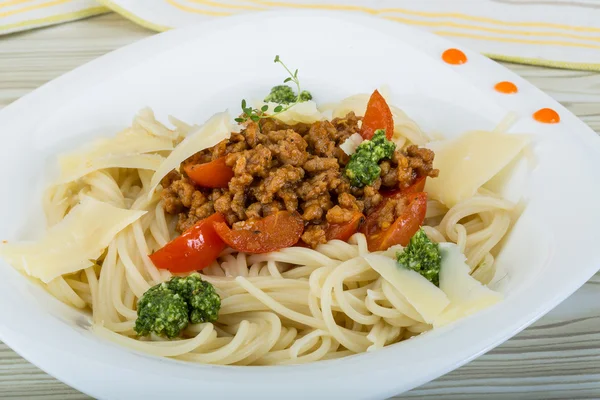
(314, 235)
(288, 146)
(223, 203)
(182, 197)
(270, 125)
(339, 215)
(389, 211)
(186, 221)
(271, 208)
(219, 150)
(255, 162)
(349, 202)
(372, 198)
(346, 127)
(171, 201)
(321, 138)
(387, 214)
(290, 200)
(405, 167)
(198, 158)
(252, 134)
(170, 178)
(317, 164)
(421, 161)
(297, 168)
(314, 209)
(276, 181)
(254, 211)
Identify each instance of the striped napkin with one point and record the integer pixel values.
(555, 33)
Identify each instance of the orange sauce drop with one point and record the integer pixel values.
(506, 87)
(547, 116)
(454, 57)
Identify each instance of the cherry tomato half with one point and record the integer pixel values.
(344, 230)
(214, 174)
(194, 249)
(402, 229)
(277, 231)
(377, 116)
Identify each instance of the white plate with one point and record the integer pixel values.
(195, 72)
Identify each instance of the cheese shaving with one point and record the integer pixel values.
(216, 129)
(351, 144)
(72, 244)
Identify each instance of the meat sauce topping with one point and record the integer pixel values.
(297, 168)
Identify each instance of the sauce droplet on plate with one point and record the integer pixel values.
(547, 116)
(454, 57)
(506, 87)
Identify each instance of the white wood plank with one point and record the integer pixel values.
(556, 358)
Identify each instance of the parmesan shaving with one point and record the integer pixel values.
(356, 104)
(72, 244)
(305, 113)
(216, 129)
(146, 120)
(129, 149)
(73, 168)
(182, 128)
(469, 161)
(467, 295)
(128, 141)
(424, 296)
(351, 144)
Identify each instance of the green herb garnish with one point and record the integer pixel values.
(282, 94)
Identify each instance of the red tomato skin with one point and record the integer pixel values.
(377, 116)
(277, 231)
(194, 249)
(214, 174)
(345, 230)
(402, 229)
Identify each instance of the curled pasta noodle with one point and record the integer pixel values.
(291, 306)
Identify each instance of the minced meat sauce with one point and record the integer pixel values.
(295, 168)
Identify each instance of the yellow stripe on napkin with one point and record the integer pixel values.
(554, 34)
(18, 15)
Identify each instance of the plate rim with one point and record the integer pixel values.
(78, 80)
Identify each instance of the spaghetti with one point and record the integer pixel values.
(295, 305)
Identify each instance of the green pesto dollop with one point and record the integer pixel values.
(161, 311)
(202, 299)
(422, 255)
(363, 167)
(167, 308)
(284, 94)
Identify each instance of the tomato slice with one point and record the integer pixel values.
(377, 116)
(402, 229)
(344, 230)
(193, 250)
(277, 231)
(214, 174)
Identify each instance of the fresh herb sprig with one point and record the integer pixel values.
(255, 114)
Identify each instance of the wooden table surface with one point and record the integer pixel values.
(556, 358)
